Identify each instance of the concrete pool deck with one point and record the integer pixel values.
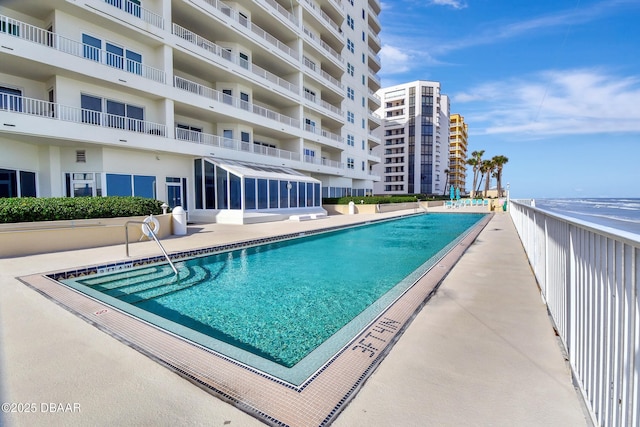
(482, 351)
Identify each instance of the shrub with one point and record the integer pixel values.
(25, 209)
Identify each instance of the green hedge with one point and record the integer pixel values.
(374, 200)
(26, 209)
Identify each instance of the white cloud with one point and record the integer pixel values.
(394, 59)
(456, 4)
(582, 101)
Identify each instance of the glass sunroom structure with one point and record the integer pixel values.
(241, 192)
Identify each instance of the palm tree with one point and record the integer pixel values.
(446, 183)
(486, 167)
(499, 162)
(475, 161)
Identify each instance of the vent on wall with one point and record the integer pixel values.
(81, 156)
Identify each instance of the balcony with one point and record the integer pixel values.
(255, 30)
(323, 104)
(223, 53)
(322, 162)
(73, 47)
(324, 47)
(54, 111)
(233, 144)
(280, 10)
(139, 12)
(230, 101)
(324, 133)
(323, 18)
(326, 77)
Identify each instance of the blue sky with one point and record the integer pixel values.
(554, 85)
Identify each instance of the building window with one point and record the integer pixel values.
(350, 69)
(350, 93)
(350, 140)
(10, 99)
(15, 183)
(350, 46)
(83, 184)
(91, 48)
(350, 117)
(350, 163)
(350, 21)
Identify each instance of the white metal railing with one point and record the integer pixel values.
(589, 277)
(322, 161)
(324, 104)
(245, 22)
(138, 11)
(55, 41)
(218, 96)
(224, 53)
(317, 40)
(50, 110)
(281, 10)
(317, 10)
(325, 133)
(326, 76)
(233, 144)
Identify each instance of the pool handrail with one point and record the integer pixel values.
(153, 235)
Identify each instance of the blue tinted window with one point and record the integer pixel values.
(262, 194)
(273, 194)
(221, 187)
(284, 194)
(293, 195)
(249, 193)
(118, 185)
(301, 195)
(235, 184)
(91, 47)
(144, 186)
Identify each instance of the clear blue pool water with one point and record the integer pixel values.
(274, 305)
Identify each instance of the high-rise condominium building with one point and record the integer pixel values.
(458, 136)
(415, 138)
(238, 111)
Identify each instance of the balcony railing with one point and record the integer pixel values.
(233, 144)
(312, 66)
(589, 278)
(317, 10)
(323, 104)
(328, 49)
(78, 49)
(322, 162)
(218, 96)
(281, 10)
(324, 133)
(223, 53)
(54, 111)
(259, 32)
(140, 12)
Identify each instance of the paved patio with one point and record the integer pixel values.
(481, 352)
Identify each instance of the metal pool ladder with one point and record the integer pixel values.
(153, 234)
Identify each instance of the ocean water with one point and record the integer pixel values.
(619, 213)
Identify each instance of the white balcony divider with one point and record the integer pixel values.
(138, 11)
(218, 96)
(76, 48)
(589, 277)
(233, 144)
(232, 13)
(209, 46)
(50, 110)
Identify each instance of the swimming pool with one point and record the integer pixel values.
(287, 307)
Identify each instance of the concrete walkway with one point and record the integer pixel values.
(481, 352)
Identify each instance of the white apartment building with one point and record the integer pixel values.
(239, 111)
(415, 139)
